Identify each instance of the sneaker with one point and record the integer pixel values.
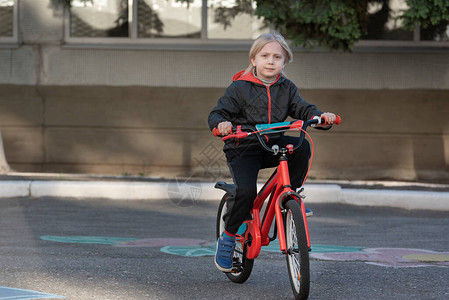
(309, 212)
(225, 253)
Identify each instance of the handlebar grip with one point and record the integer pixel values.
(338, 120)
(325, 122)
(216, 132)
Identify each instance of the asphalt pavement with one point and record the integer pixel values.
(67, 236)
(108, 249)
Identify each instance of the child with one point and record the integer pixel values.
(261, 94)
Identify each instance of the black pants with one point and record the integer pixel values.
(245, 164)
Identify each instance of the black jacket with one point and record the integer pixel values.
(247, 101)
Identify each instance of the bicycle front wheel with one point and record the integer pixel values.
(245, 264)
(297, 250)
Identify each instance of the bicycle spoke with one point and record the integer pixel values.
(299, 273)
(297, 263)
(295, 250)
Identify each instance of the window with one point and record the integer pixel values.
(8, 21)
(169, 19)
(435, 33)
(233, 19)
(99, 18)
(205, 24)
(384, 25)
(382, 22)
(162, 21)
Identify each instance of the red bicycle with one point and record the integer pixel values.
(284, 204)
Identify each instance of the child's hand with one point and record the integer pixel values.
(330, 117)
(224, 128)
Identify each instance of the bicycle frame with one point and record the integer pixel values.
(280, 206)
(278, 188)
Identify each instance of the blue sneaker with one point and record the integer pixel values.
(309, 212)
(225, 253)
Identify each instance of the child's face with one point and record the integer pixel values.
(270, 61)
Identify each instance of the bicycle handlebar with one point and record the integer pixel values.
(294, 125)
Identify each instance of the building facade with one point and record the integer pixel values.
(125, 87)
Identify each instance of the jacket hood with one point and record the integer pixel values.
(249, 77)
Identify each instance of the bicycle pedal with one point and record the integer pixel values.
(238, 269)
(299, 191)
(237, 266)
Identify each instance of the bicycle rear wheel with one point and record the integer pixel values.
(245, 264)
(297, 250)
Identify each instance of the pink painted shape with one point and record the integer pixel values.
(160, 242)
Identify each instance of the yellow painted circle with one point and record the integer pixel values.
(427, 257)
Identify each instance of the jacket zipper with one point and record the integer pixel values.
(269, 104)
(269, 99)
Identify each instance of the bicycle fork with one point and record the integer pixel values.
(279, 208)
(280, 212)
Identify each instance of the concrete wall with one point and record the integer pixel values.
(44, 64)
(68, 109)
(162, 131)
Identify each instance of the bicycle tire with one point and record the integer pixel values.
(247, 264)
(297, 250)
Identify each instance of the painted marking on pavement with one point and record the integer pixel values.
(160, 242)
(124, 242)
(19, 294)
(391, 257)
(209, 249)
(427, 257)
(387, 257)
(86, 239)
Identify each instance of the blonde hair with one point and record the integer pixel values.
(264, 39)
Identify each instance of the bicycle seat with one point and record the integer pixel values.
(227, 187)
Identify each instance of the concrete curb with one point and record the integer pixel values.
(205, 191)
(395, 198)
(13, 188)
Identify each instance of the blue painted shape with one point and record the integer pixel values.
(86, 239)
(274, 247)
(209, 250)
(335, 249)
(18, 294)
(193, 251)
